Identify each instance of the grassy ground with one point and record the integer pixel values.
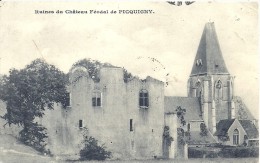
(11, 151)
(10, 157)
(219, 160)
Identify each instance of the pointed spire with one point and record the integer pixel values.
(209, 59)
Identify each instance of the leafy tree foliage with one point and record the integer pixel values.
(27, 93)
(181, 136)
(180, 114)
(203, 130)
(35, 136)
(166, 135)
(93, 151)
(94, 66)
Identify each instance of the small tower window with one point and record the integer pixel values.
(198, 88)
(96, 98)
(218, 90)
(236, 137)
(199, 62)
(143, 99)
(188, 126)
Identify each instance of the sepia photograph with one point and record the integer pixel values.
(148, 81)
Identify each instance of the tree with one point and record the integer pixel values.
(92, 151)
(94, 66)
(27, 93)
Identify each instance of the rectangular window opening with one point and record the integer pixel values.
(67, 102)
(131, 125)
(80, 123)
(96, 99)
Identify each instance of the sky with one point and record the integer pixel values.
(157, 44)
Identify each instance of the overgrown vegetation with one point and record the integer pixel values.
(94, 66)
(180, 114)
(183, 136)
(223, 152)
(235, 152)
(203, 130)
(27, 93)
(92, 150)
(166, 135)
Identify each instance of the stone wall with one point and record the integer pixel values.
(222, 98)
(110, 122)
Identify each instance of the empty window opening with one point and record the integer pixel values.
(188, 127)
(236, 137)
(80, 123)
(199, 62)
(143, 99)
(67, 99)
(131, 125)
(96, 98)
(218, 90)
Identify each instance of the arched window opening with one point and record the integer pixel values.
(231, 89)
(198, 62)
(218, 90)
(236, 137)
(143, 99)
(96, 98)
(198, 88)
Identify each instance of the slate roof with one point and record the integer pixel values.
(191, 105)
(250, 129)
(242, 112)
(223, 126)
(196, 138)
(210, 54)
(248, 126)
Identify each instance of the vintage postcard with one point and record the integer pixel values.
(148, 81)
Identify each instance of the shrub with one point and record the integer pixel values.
(200, 152)
(231, 152)
(195, 153)
(92, 151)
(166, 135)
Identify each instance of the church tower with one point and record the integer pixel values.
(210, 80)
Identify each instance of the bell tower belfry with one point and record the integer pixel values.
(210, 80)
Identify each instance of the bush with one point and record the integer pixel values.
(200, 152)
(92, 151)
(195, 153)
(231, 152)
